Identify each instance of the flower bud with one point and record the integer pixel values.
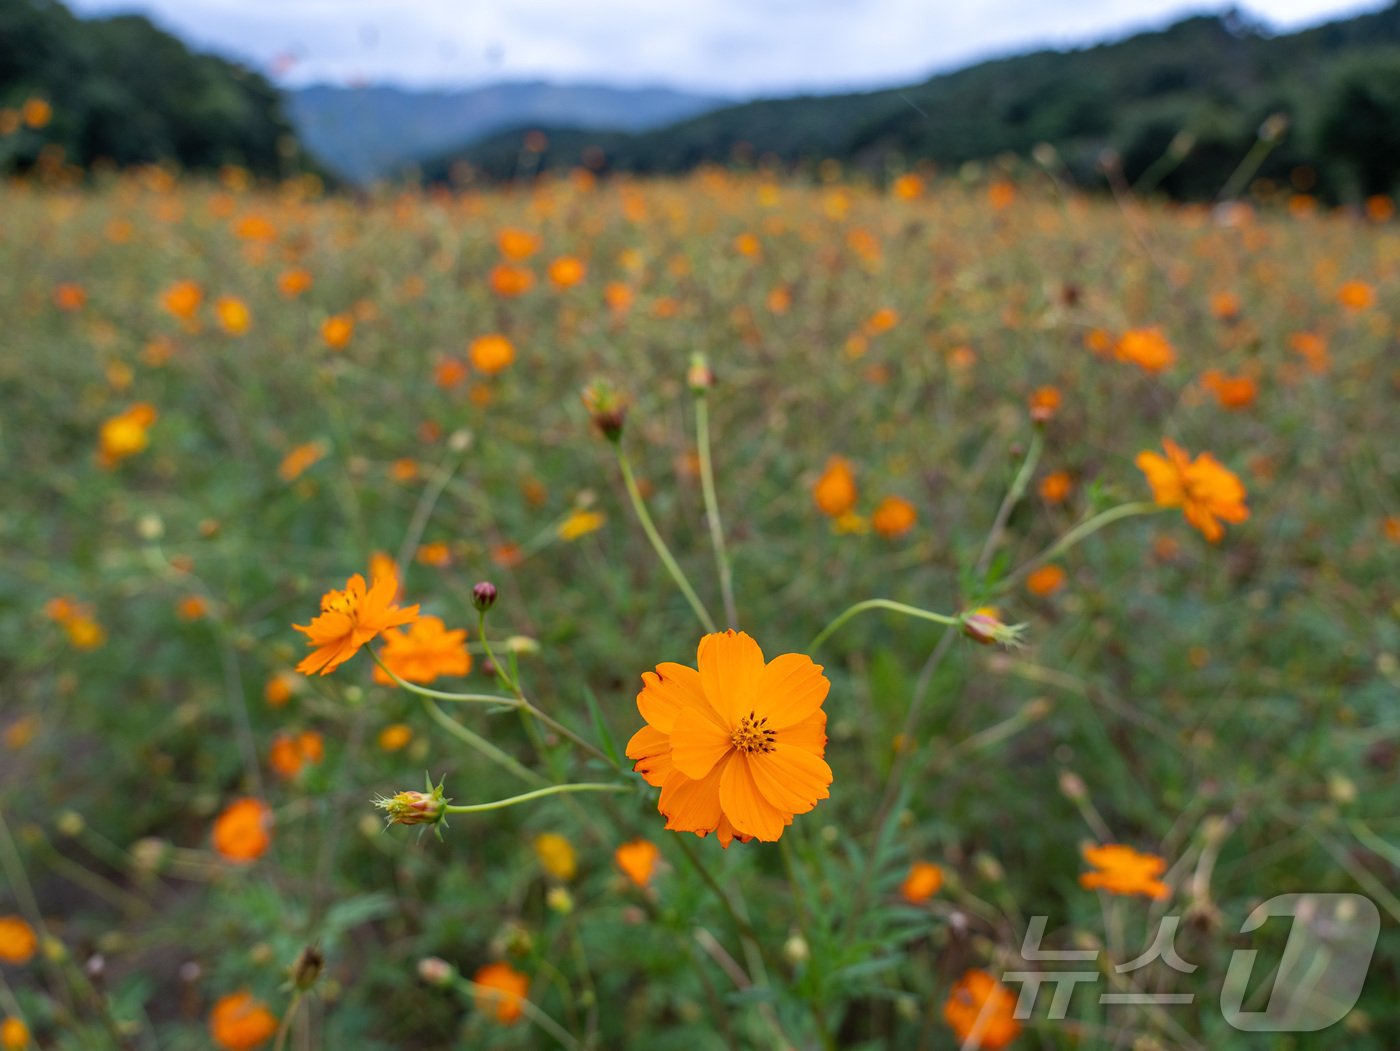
(484, 595)
(984, 625)
(309, 964)
(436, 971)
(607, 407)
(699, 376)
(559, 900)
(415, 808)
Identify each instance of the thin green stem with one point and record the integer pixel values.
(287, 1019)
(500, 668)
(1009, 502)
(1081, 532)
(539, 793)
(707, 485)
(479, 743)
(878, 603)
(659, 545)
(533, 1013)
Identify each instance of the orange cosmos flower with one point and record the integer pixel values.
(351, 618)
(1313, 349)
(1055, 488)
(500, 988)
(1232, 392)
(580, 523)
(1122, 870)
(1044, 403)
(436, 553)
(36, 112)
(233, 315)
(395, 737)
(299, 460)
(894, 517)
(567, 271)
(618, 296)
(736, 747)
(254, 228)
(748, 245)
(292, 283)
(336, 331)
(1099, 341)
(835, 491)
(192, 607)
(1380, 208)
(981, 1011)
(18, 942)
(125, 434)
(509, 281)
(14, 1035)
(426, 651)
(182, 299)
(491, 353)
(241, 831)
(1046, 580)
(1146, 348)
(882, 320)
(1001, 194)
(238, 1022)
(1356, 295)
(1226, 306)
(403, 470)
(908, 186)
(637, 860)
(1205, 489)
(449, 373)
(290, 753)
(69, 297)
(517, 245)
(278, 690)
(923, 882)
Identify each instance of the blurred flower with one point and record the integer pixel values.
(1122, 870)
(736, 747)
(894, 517)
(835, 491)
(746, 244)
(556, 855)
(426, 651)
(1055, 488)
(881, 321)
(182, 299)
(351, 618)
(291, 752)
(981, 1011)
(125, 434)
(1001, 195)
(20, 732)
(449, 373)
(921, 883)
(36, 112)
(403, 470)
(510, 281)
(517, 245)
(336, 331)
(292, 283)
(618, 296)
(296, 462)
(436, 553)
(1046, 580)
(1226, 305)
(567, 271)
(580, 523)
(14, 1035)
(241, 831)
(1099, 341)
(1205, 489)
(908, 186)
(1044, 403)
(69, 297)
(491, 353)
(1380, 208)
(1313, 349)
(637, 860)
(238, 1022)
(18, 942)
(192, 607)
(254, 228)
(1356, 295)
(1146, 348)
(233, 315)
(278, 690)
(395, 737)
(500, 988)
(1232, 392)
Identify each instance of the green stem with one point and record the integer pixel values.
(1080, 532)
(479, 744)
(533, 1013)
(539, 793)
(659, 545)
(707, 485)
(1009, 502)
(878, 603)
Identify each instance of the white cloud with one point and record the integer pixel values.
(732, 47)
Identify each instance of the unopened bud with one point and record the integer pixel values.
(428, 807)
(984, 625)
(699, 376)
(436, 971)
(1273, 129)
(484, 595)
(1072, 786)
(559, 900)
(796, 950)
(310, 962)
(607, 407)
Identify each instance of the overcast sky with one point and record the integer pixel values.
(725, 47)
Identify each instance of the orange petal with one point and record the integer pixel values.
(810, 733)
(697, 742)
(745, 805)
(692, 806)
(730, 663)
(790, 778)
(790, 688)
(652, 750)
(666, 692)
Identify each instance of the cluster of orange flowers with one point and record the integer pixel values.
(836, 495)
(125, 435)
(77, 620)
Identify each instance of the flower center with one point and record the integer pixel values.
(751, 735)
(339, 602)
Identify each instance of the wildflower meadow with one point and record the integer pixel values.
(742, 610)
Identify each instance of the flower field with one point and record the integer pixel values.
(772, 600)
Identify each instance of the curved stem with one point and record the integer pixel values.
(479, 743)
(659, 545)
(879, 603)
(1080, 532)
(528, 1009)
(707, 485)
(539, 793)
(1009, 502)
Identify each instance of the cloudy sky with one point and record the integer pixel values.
(725, 47)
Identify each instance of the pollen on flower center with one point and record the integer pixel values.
(752, 736)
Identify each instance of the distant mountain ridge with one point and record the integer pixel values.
(365, 133)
